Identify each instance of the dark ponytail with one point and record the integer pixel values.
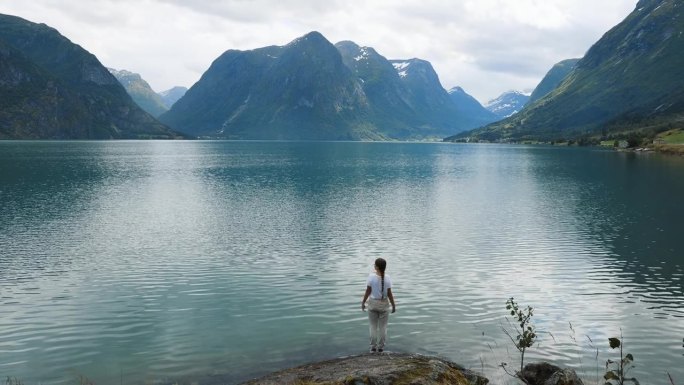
(381, 264)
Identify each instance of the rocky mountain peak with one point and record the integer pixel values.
(455, 90)
(172, 95)
(313, 38)
(508, 103)
(140, 91)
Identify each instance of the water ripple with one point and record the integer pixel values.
(165, 261)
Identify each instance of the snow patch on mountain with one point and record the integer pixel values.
(401, 68)
(363, 53)
(508, 103)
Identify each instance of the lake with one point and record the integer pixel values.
(215, 261)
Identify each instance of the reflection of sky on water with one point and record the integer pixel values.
(184, 259)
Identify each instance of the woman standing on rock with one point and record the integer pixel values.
(379, 289)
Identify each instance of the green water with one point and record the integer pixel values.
(156, 262)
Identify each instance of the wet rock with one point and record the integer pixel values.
(564, 377)
(376, 369)
(543, 373)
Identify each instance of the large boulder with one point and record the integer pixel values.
(376, 369)
(543, 373)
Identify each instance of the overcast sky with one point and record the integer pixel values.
(485, 46)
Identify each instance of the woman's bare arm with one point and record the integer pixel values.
(391, 298)
(365, 297)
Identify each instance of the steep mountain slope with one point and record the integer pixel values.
(310, 89)
(140, 91)
(299, 91)
(634, 75)
(468, 107)
(429, 99)
(171, 96)
(387, 97)
(552, 79)
(51, 88)
(405, 97)
(508, 103)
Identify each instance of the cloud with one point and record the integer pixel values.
(485, 46)
(258, 11)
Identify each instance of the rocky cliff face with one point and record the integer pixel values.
(51, 88)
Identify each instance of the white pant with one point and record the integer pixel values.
(378, 315)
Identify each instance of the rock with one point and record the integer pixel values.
(564, 377)
(543, 373)
(376, 369)
(535, 373)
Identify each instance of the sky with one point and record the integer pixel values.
(484, 46)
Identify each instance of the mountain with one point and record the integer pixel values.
(311, 89)
(389, 102)
(552, 79)
(508, 103)
(467, 105)
(140, 91)
(631, 80)
(299, 91)
(429, 99)
(171, 96)
(51, 88)
(405, 97)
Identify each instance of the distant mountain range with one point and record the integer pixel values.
(298, 91)
(507, 104)
(468, 106)
(154, 103)
(630, 81)
(171, 96)
(308, 89)
(51, 88)
(140, 91)
(312, 89)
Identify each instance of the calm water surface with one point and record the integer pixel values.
(156, 262)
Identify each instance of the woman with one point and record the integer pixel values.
(379, 289)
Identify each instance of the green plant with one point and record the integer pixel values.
(526, 335)
(596, 350)
(83, 380)
(616, 371)
(572, 336)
